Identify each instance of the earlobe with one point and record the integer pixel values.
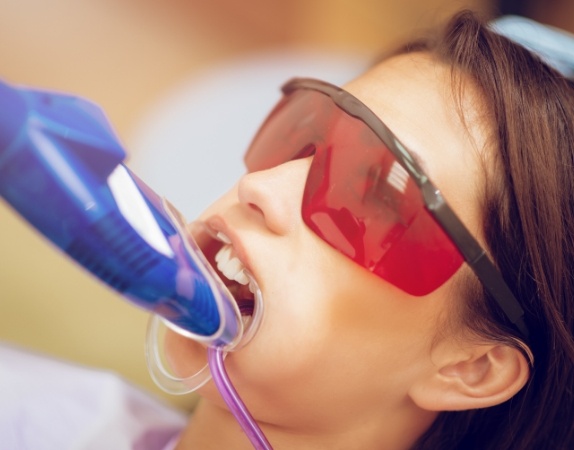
(478, 377)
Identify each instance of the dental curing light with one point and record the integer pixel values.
(61, 168)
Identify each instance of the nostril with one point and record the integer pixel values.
(305, 152)
(274, 195)
(256, 208)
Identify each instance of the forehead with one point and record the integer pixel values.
(415, 96)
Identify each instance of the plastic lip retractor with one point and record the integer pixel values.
(162, 376)
(179, 385)
(247, 326)
(61, 169)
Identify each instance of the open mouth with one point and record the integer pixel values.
(236, 278)
(221, 256)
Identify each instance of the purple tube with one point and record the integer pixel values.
(234, 402)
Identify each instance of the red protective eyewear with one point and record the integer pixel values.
(367, 196)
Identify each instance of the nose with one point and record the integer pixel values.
(276, 194)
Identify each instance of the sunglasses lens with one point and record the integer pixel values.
(292, 129)
(358, 198)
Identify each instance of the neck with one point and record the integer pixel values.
(213, 427)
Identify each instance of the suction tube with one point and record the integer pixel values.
(61, 168)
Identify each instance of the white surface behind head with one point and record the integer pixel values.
(189, 146)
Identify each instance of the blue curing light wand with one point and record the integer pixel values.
(61, 168)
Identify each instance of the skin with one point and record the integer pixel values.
(343, 359)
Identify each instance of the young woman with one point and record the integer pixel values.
(382, 328)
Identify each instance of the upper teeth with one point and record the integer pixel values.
(230, 266)
(223, 237)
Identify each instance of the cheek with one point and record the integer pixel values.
(297, 325)
(316, 316)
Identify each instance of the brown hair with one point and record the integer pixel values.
(529, 229)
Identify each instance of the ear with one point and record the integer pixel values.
(472, 377)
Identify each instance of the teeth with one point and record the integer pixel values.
(241, 278)
(223, 238)
(223, 255)
(230, 266)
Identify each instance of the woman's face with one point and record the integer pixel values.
(337, 342)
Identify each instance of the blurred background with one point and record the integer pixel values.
(185, 84)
